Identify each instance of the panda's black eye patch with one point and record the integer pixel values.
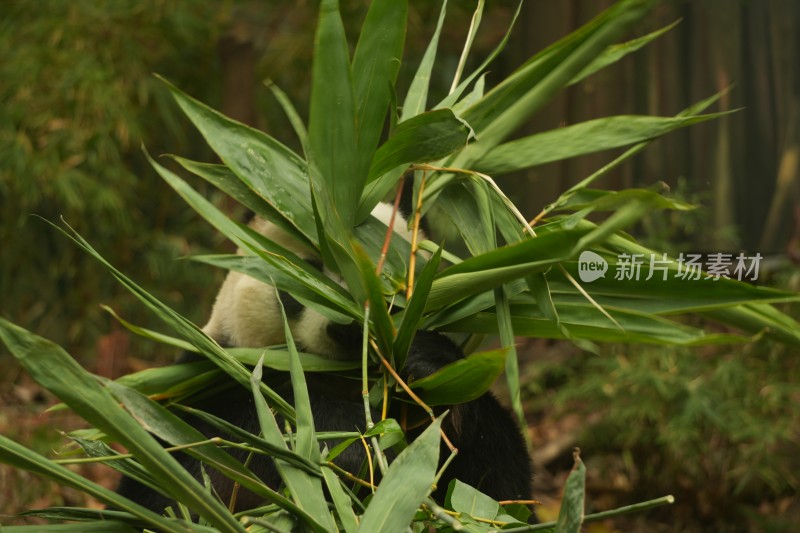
(292, 307)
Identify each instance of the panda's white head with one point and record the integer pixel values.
(247, 313)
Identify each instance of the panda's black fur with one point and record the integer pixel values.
(492, 454)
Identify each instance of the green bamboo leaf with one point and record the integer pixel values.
(756, 318)
(473, 29)
(692, 110)
(278, 359)
(57, 372)
(422, 138)
(580, 139)
(171, 379)
(290, 274)
(381, 323)
(425, 137)
(305, 489)
(305, 443)
(376, 63)
(506, 107)
(205, 345)
(341, 501)
(661, 296)
(128, 467)
(412, 316)
(417, 96)
(225, 180)
(177, 432)
(487, 271)
(585, 321)
(268, 167)
(570, 517)
(599, 200)
(558, 62)
(332, 133)
(149, 334)
(472, 97)
(469, 500)
(615, 52)
(462, 381)
(451, 99)
(100, 526)
(291, 114)
(505, 328)
(203, 207)
(458, 203)
(407, 482)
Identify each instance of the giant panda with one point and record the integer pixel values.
(492, 455)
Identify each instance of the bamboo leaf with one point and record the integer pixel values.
(503, 265)
(506, 107)
(405, 485)
(473, 29)
(462, 381)
(570, 517)
(585, 321)
(221, 177)
(425, 137)
(175, 431)
(341, 501)
(185, 328)
(291, 114)
(450, 99)
(469, 500)
(305, 489)
(102, 525)
(412, 316)
(268, 167)
(615, 52)
(57, 372)
(332, 133)
(375, 65)
(580, 139)
(417, 96)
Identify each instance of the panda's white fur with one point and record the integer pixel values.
(246, 311)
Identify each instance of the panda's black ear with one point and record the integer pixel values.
(429, 352)
(407, 200)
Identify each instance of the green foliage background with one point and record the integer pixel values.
(78, 99)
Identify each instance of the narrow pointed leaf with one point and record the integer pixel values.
(417, 96)
(407, 482)
(615, 52)
(462, 381)
(425, 137)
(580, 139)
(412, 316)
(570, 517)
(56, 371)
(268, 167)
(332, 133)
(375, 65)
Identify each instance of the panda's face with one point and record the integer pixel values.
(247, 312)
